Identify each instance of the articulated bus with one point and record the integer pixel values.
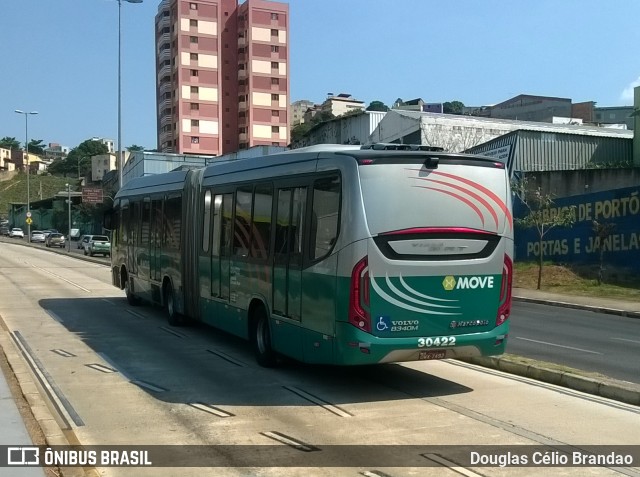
(331, 254)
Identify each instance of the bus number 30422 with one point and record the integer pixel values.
(437, 341)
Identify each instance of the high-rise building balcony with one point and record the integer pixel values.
(165, 70)
(164, 55)
(165, 87)
(166, 120)
(164, 39)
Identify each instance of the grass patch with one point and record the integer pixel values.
(14, 190)
(578, 280)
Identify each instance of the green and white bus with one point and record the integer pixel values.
(330, 254)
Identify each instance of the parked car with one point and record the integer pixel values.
(49, 231)
(16, 233)
(84, 240)
(98, 244)
(4, 230)
(55, 240)
(37, 236)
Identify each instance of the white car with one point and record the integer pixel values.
(16, 233)
(37, 236)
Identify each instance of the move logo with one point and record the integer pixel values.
(465, 283)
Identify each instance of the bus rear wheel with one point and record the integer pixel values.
(262, 340)
(175, 318)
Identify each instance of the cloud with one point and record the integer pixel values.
(627, 93)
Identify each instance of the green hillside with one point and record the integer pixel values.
(15, 189)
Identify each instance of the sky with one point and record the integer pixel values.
(60, 57)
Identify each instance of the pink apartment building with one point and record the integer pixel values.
(222, 80)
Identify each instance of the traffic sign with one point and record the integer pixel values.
(29, 221)
(92, 195)
(28, 214)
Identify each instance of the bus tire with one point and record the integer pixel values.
(175, 318)
(265, 356)
(131, 298)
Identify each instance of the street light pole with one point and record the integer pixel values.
(120, 150)
(69, 205)
(26, 153)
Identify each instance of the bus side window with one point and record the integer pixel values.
(281, 245)
(124, 224)
(261, 221)
(172, 222)
(326, 211)
(297, 225)
(217, 226)
(242, 225)
(206, 226)
(227, 215)
(145, 222)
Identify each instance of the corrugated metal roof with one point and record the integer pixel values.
(524, 125)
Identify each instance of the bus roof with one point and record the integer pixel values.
(167, 182)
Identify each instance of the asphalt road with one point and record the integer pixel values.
(594, 342)
(585, 340)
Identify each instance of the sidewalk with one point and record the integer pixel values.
(14, 431)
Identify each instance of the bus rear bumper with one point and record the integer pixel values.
(354, 346)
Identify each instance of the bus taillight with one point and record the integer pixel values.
(359, 296)
(504, 310)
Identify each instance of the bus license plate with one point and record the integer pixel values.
(433, 354)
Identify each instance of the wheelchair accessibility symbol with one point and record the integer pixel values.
(383, 324)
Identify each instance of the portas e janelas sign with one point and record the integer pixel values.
(579, 243)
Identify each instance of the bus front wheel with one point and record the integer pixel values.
(262, 340)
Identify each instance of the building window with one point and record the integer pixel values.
(242, 130)
(275, 97)
(193, 23)
(193, 6)
(194, 56)
(241, 67)
(241, 50)
(274, 16)
(275, 143)
(195, 106)
(275, 48)
(195, 123)
(194, 72)
(241, 114)
(274, 65)
(193, 39)
(195, 89)
(274, 32)
(195, 140)
(275, 129)
(275, 113)
(275, 81)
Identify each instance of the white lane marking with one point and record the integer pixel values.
(62, 278)
(628, 341)
(557, 345)
(451, 465)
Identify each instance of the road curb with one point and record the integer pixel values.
(578, 306)
(622, 391)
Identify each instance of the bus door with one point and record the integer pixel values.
(155, 236)
(221, 251)
(287, 270)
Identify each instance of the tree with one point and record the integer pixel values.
(453, 107)
(36, 147)
(74, 164)
(377, 106)
(9, 143)
(602, 231)
(135, 147)
(541, 215)
(398, 102)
